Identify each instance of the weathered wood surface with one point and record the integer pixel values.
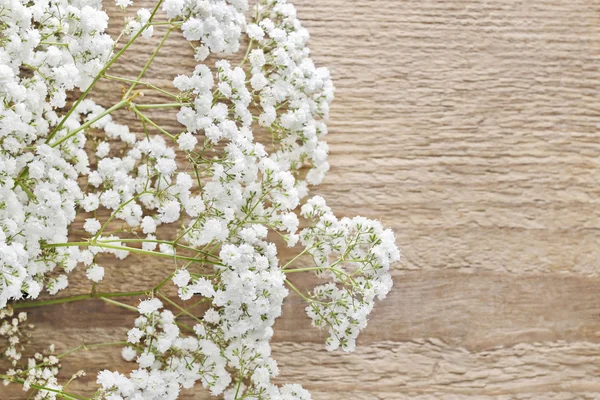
(470, 127)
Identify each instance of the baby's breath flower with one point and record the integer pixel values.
(95, 273)
(223, 193)
(123, 3)
(187, 141)
(92, 225)
(150, 306)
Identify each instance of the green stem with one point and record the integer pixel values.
(306, 269)
(81, 346)
(36, 69)
(159, 242)
(148, 120)
(131, 250)
(177, 306)
(26, 190)
(151, 86)
(247, 53)
(70, 299)
(161, 23)
(54, 44)
(114, 214)
(143, 71)
(182, 325)
(295, 258)
(163, 282)
(192, 306)
(69, 135)
(59, 393)
(165, 105)
(118, 303)
(295, 289)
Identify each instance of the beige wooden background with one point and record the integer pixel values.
(471, 128)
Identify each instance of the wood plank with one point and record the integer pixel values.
(475, 311)
(431, 369)
(470, 127)
(419, 369)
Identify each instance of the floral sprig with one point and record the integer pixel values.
(62, 159)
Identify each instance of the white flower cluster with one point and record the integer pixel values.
(215, 24)
(46, 49)
(224, 191)
(159, 335)
(356, 253)
(283, 76)
(229, 356)
(40, 372)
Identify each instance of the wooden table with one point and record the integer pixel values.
(470, 128)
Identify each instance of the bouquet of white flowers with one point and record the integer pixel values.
(62, 157)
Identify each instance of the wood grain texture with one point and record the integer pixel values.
(471, 128)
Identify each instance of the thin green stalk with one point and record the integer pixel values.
(50, 302)
(70, 299)
(59, 393)
(182, 325)
(26, 190)
(196, 304)
(91, 347)
(163, 282)
(178, 238)
(148, 120)
(160, 106)
(290, 271)
(118, 303)
(157, 241)
(295, 289)
(247, 53)
(36, 69)
(183, 310)
(120, 104)
(239, 383)
(295, 258)
(81, 346)
(114, 214)
(131, 250)
(149, 85)
(152, 57)
(161, 23)
(54, 44)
